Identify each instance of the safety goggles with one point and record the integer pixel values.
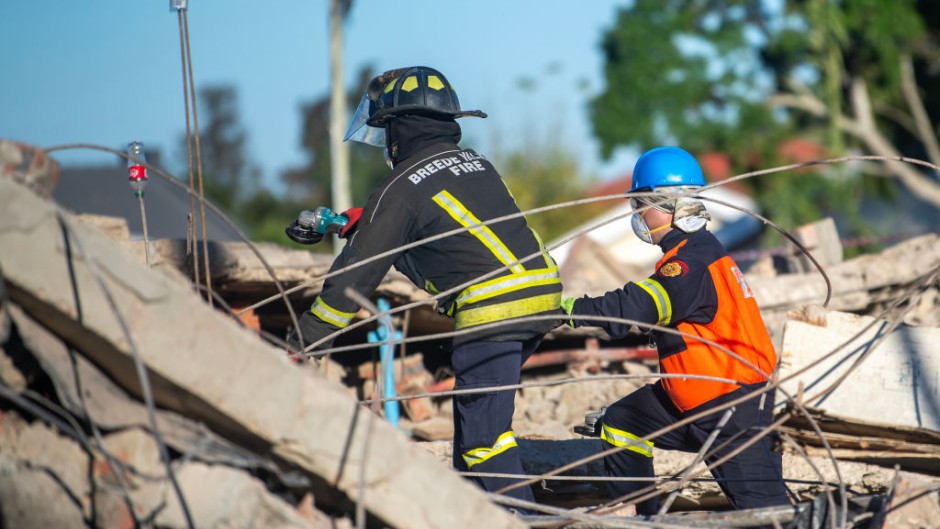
(655, 203)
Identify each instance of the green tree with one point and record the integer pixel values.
(310, 183)
(739, 77)
(542, 178)
(228, 173)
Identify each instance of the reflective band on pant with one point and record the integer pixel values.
(502, 285)
(627, 440)
(507, 310)
(330, 315)
(463, 217)
(660, 297)
(478, 455)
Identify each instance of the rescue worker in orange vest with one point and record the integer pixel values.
(699, 290)
(434, 187)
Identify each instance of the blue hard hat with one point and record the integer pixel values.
(666, 166)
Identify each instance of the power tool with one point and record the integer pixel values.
(592, 424)
(312, 225)
(322, 220)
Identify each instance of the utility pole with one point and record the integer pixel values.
(339, 151)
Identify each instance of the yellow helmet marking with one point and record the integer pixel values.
(388, 88)
(411, 82)
(435, 82)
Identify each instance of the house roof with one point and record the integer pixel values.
(104, 191)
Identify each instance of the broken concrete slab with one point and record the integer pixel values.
(138, 449)
(894, 376)
(219, 497)
(33, 498)
(29, 165)
(86, 392)
(854, 281)
(37, 447)
(203, 365)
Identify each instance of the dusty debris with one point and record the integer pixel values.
(29, 165)
(542, 456)
(286, 443)
(202, 365)
(863, 285)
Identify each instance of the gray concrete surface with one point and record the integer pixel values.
(203, 365)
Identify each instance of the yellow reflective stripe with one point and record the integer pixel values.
(549, 262)
(509, 309)
(330, 315)
(627, 440)
(502, 285)
(466, 219)
(660, 297)
(478, 455)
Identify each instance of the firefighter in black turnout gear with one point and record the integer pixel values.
(435, 187)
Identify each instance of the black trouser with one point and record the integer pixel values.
(750, 479)
(483, 438)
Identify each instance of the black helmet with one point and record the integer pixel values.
(415, 90)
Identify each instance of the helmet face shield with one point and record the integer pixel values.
(416, 90)
(358, 129)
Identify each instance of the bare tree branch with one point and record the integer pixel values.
(925, 130)
(864, 128)
(900, 117)
(878, 144)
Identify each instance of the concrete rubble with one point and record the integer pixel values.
(255, 440)
(77, 283)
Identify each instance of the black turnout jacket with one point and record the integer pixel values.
(437, 187)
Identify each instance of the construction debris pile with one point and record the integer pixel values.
(129, 401)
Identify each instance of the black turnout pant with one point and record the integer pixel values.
(483, 437)
(750, 479)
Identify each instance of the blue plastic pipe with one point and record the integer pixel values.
(387, 356)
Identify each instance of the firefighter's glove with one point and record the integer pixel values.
(567, 305)
(353, 215)
(301, 234)
(312, 333)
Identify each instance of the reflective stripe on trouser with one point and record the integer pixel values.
(750, 479)
(627, 440)
(478, 455)
(483, 421)
(330, 315)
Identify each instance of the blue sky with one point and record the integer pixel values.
(108, 71)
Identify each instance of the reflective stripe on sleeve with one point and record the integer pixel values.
(507, 310)
(660, 297)
(627, 440)
(330, 315)
(462, 215)
(478, 455)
